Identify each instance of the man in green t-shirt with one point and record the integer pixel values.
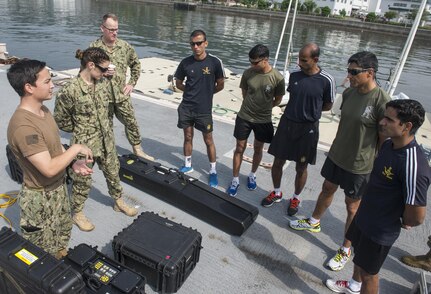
(350, 159)
(262, 88)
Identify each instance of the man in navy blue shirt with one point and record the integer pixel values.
(395, 197)
(204, 75)
(312, 90)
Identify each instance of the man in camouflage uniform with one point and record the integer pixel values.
(34, 139)
(122, 56)
(81, 107)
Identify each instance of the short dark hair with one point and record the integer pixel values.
(24, 72)
(196, 33)
(109, 15)
(258, 51)
(365, 59)
(92, 54)
(408, 110)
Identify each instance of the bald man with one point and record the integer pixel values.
(312, 90)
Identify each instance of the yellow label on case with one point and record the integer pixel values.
(130, 161)
(26, 256)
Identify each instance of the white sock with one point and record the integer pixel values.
(235, 180)
(354, 285)
(314, 221)
(295, 196)
(213, 168)
(345, 249)
(252, 175)
(188, 161)
(277, 191)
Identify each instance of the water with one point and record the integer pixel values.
(52, 30)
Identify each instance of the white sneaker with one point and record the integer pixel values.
(339, 260)
(340, 286)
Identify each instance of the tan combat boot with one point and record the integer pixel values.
(60, 254)
(121, 206)
(83, 223)
(420, 261)
(137, 150)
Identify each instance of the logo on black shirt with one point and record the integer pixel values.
(206, 70)
(387, 172)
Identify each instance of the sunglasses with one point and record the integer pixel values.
(102, 69)
(255, 62)
(196, 43)
(356, 71)
(111, 30)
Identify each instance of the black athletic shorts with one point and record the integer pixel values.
(201, 121)
(263, 132)
(369, 255)
(295, 141)
(353, 184)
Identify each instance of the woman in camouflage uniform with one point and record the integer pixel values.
(81, 108)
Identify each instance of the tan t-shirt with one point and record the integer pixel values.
(29, 134)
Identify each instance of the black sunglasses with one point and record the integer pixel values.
(356, 71)
(255, 62)
(102, 69)
(196, 43)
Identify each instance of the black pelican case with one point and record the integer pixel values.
(26, 268)
(15, 170)
(102, 274)
(211, 205)
(163, 251)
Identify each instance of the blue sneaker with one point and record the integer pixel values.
(186, 169)
(233, 189)
(251, 183)
(213, 181)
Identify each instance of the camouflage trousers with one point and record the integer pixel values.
(125, 113)
(46, 218)
(110, 166)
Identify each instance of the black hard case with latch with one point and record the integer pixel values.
(26, 268)
(163, 251)
(211, 205)
(102, 274)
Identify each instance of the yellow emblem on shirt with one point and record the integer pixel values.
(387, 172)
(206, 71)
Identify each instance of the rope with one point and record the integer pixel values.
(10, 200)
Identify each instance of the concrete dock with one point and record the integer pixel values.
(269, 257)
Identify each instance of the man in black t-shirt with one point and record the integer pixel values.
(204, 76)
(395, 196)
(311, 91)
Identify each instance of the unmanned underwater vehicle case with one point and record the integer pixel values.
(189, 194)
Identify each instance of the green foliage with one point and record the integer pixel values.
(248, 3)
(308, 6)
(390, 14)
(262, 4)
(412, 15)
(371, 17)
(343, 12)
(325, 11)
(285, 4)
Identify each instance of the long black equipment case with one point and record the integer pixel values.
(102, 274)
(26, 268)
(163, 251)
(189, 194)
(15, 169)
